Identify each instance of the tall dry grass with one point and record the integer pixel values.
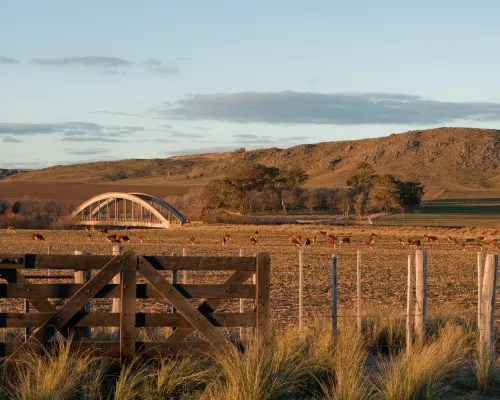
(280, 369)
(56, 373)
(426, 372)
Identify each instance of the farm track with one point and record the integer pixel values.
(452, 279)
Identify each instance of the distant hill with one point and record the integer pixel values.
(460, 160)
(4, 173)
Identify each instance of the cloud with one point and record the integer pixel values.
(183, 152)
(323, 108)
(266, 141)
(164, 127)
(87, 152)
(110, 72)
(11, 139)
(37, 129)
(314, 81)
(117, 113)
(81, 139)
(8, 60)
(202, 128)
(88, 61)
(152, 62)
(166, 70)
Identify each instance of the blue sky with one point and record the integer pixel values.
(124, 79)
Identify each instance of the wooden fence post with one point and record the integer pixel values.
(358, 291)
(487, 345)
(83, 277)
(409, 306)
(334, 295)
(301, 290)
(242, 305)
(174, 279)
(117, 251)
(420, 294)
(479, 291)
(263, 277)
(128, 311)
(184, 272)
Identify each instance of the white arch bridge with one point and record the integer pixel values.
(127, 209)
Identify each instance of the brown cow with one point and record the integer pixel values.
(11, 229)
(331, 242)
(140, 239)
(111, 236)
(123, 238)
(415, 244)
(345, 240)
(37, 236)
(295, 241)
(253, 241)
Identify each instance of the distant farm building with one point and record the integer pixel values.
(127, 209)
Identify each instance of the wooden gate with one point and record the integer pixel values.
(188, 319)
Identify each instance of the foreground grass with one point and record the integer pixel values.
(307, 365)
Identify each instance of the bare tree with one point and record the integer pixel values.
(360, 201)
(345, 202)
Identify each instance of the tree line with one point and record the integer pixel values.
(32, 208)
(253, 187)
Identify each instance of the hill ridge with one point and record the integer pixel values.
(453, 158)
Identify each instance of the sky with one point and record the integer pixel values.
(107, 80)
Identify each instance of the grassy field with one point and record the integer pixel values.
(372, 366)
(452, 272)
(450, 212)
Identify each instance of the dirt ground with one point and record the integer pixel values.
(452, 272)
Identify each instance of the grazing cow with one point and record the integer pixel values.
(307, 243)
(373, 234)
(368, 244)
(37, 236)
(299, 237)
(192, 240)
(11, 229)
(88, 236)
(295, 241)
(331, 236)
(103, 231)
(432, 239)
(345, 240)
(256, 233)
(331, 242)
(292, 238)
(494, 244)
(253, 241)
(480, 239)
(111, 236)
(454, 241)
(140, 239)
(313, 239)
(123, 238)
(401, 241)
(323, 233)
(415, 244)
(223, 241)
(227, 236)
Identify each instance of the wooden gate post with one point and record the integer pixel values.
(263, 277)
(301, 290)
(184, 272)
(117, 251)
(420, 294)
(409, 306)
(358, 291)
(487, 345)
(334, 296)
(83, 277)
(128, 311)
(479, 291)
(174, 279)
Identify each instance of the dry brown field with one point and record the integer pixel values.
(452, 279)
(76, 193)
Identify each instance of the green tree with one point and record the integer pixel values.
(362, 177)
(16, 207)
(411, 193)
(292, 178)
(385, 193)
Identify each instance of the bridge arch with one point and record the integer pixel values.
(127, 209)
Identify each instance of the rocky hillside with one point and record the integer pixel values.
(460, 159)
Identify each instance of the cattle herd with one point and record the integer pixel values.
(331, 239)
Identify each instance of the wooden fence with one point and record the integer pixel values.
(75, 314)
